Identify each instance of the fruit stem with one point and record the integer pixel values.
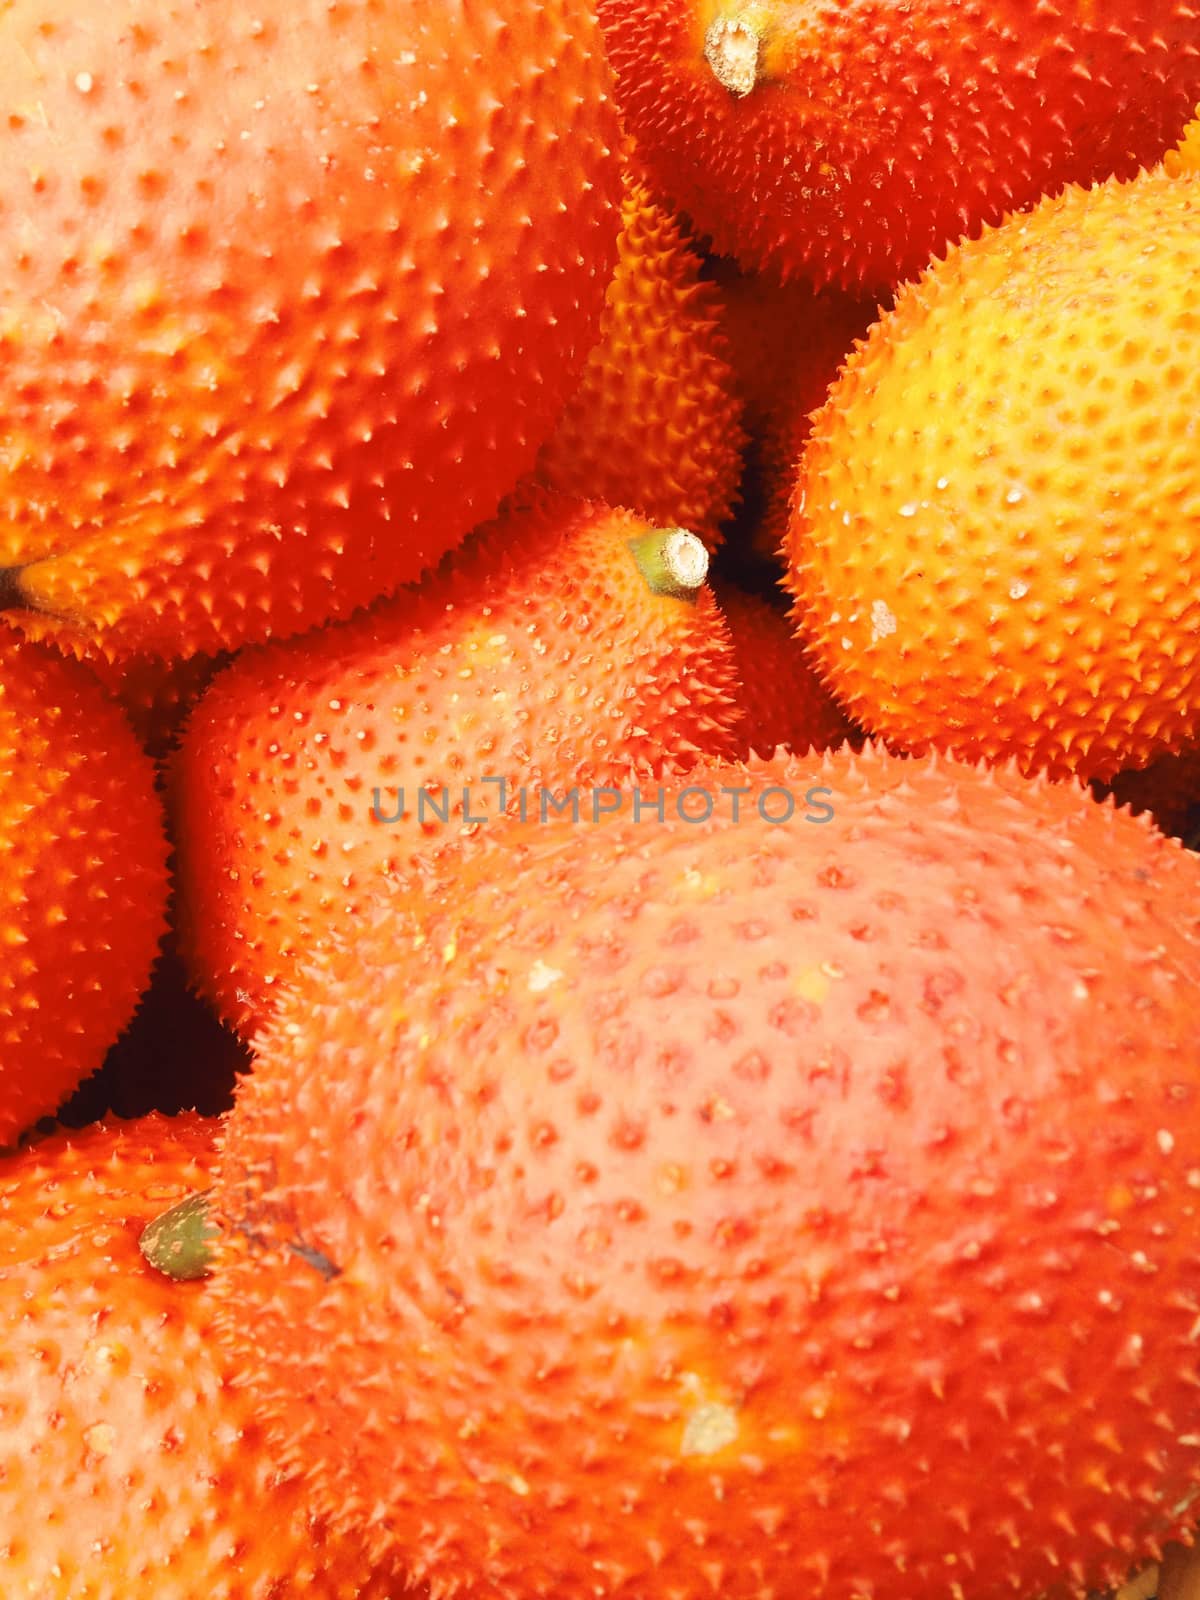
(176, 1243)
(672, 561)
(733, 48)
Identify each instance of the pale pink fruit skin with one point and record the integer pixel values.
(879, 1139)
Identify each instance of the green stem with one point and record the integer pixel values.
(177, 1242)
(672, 561)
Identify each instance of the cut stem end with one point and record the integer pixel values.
(733, 49)
(672, 561)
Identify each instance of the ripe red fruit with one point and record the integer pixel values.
(745, 1209)
(293, 294)
(541, 654)
(787, 343)
(156, 694)
(83, 878)
(849, 141)
(132, 1468)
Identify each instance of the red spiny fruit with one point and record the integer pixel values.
(655, 424)
(787, 342)
(744, 1208)
(542, 654)
(783, 700)
(131, 1468)
(83, 878)
(293, 294)
(156, 694)
(849, 141)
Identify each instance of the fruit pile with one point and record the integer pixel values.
(600, 706)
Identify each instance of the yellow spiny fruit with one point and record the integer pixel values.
(655, 424)
(995, 535)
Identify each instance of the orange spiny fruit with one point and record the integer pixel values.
(83, 878)
(994, 545)
(782, 699)
(655, 424)
(744, 1208)
(156, 694)
(849, 141)
(541, 654)
(133, 1468)
(293, 294)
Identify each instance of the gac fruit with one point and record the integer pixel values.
(655, 424)
(743, 1207)
(545, 654)
(83, 884)
(787, 342)
(293, 294)
(994, 546)
(849, 141)
(133, 1468)
(156, 694)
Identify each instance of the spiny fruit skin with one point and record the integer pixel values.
(133, 1468)
(655, 424)
(787, 342)
(783, 700)
(83, 878)
(155, 694)
(784, 338)
(293, 296)
(537, 654)
(994, 546)
(744, 1209)
(873, 134)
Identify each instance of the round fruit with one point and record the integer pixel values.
(994, 545)
(133, 1467)
(655, 424)
(849, 141)
(156, 695)
(83, 885)
(542, 654)
(293, 294)
(744, 1208)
